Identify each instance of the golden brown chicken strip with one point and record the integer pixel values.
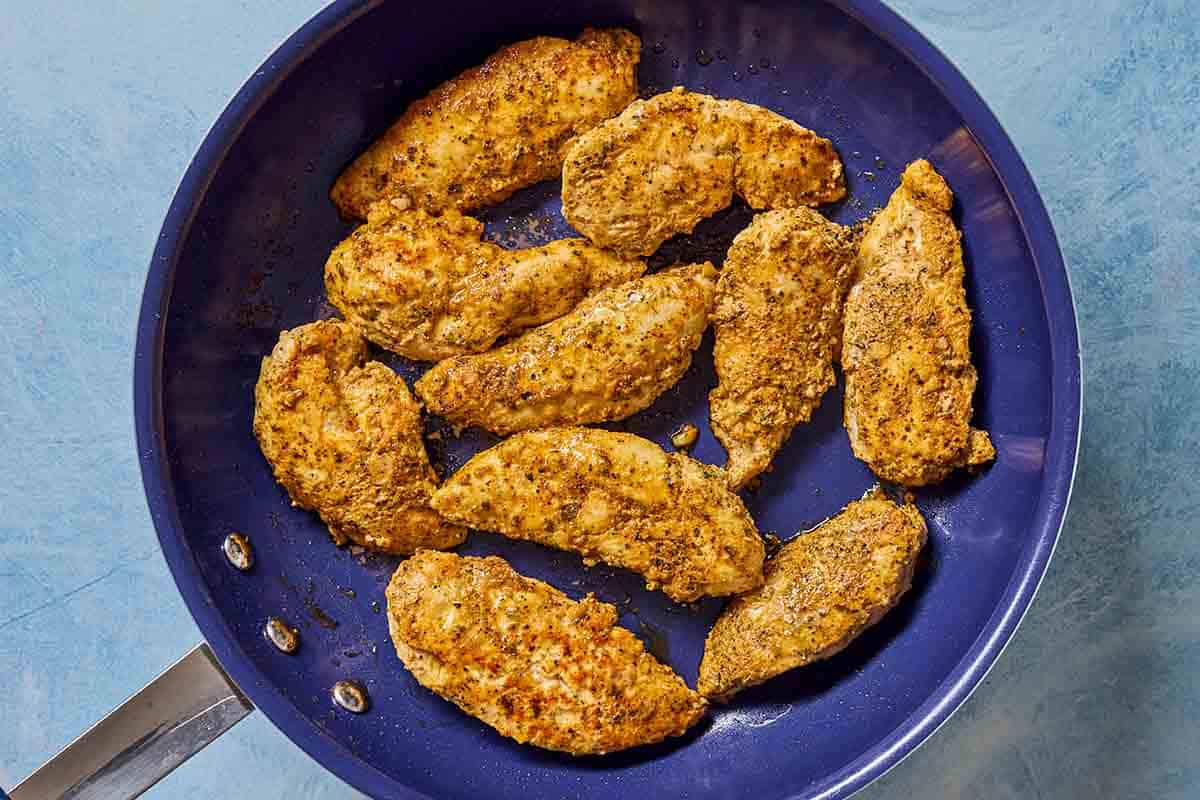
(616, 498)
(778, 319)
(426, 287)
(608, 358)
(343, 436)
(670, 161)
(497, 128)
(823, 589)
(907, 358)
(527, 660)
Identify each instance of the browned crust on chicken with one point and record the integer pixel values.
(527, 660)
(666, 163)
(608, 358)
(617, 498)
(425, 286)
(907, 356)
(343, 436)
(823, 589)
(497, 128)
(778, 319)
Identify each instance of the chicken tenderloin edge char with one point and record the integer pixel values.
(497, 128)
(617, 498)
(535, 665)
(823, 588)
(343, 437)
(428, 287)
(906, 346)
(668, 162)
(608, 358)
(778, 324)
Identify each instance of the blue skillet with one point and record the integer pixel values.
(240, 258)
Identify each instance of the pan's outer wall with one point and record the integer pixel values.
(323, 740)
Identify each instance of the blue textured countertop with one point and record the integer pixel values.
(101, 108)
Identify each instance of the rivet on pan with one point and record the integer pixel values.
(283, 636)
(238, 551)
(351, 696)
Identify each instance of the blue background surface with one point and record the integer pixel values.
(100, 111)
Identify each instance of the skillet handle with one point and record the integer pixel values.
(173, 717)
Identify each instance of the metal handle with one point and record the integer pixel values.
(173, 717)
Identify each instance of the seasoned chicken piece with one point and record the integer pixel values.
(616, 498)
(343, 436)
(670, 161)
(531, 662)
(907, 359)
(427, 288)
(823, 589)
(608, 358)
(497, 128)
(778, 319)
